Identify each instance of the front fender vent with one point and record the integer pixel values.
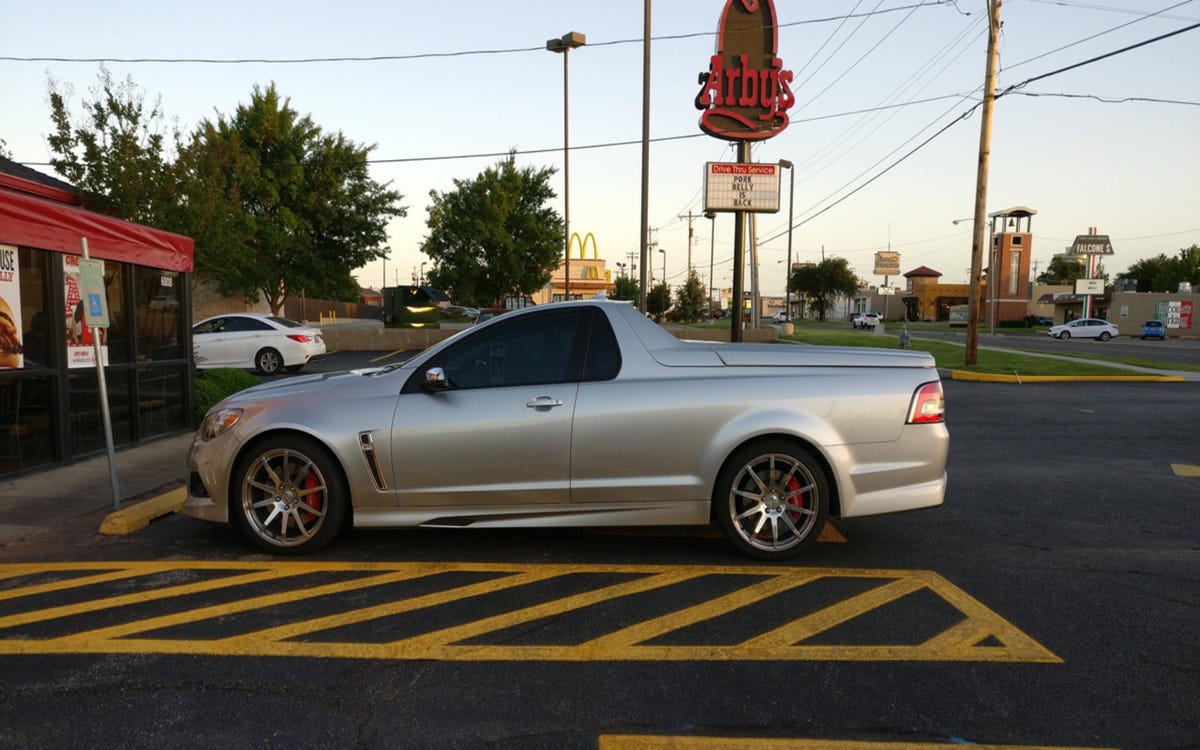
(366, 443)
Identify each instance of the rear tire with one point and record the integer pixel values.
(1105, 336)
(771, 499)
(268, 361)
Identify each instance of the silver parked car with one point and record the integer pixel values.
(579, 414)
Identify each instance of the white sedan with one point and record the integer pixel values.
(1085, 328)
(253, 340)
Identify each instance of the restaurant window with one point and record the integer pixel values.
(160, 397)
(25, 338)
(119, 331)
(86, 422)
(27, 424)
(159, 314)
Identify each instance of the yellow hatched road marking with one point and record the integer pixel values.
(645, 742)
(1184, 470)
(980, 634)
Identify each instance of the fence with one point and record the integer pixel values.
(308, 309)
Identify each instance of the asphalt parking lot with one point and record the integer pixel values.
(1050, 602)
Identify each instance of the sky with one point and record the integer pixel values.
(1113, 144)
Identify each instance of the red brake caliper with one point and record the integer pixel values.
(314, 501)
(793, 485)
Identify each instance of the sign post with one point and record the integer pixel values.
(744, 96)
(1090, 245)
(95, 314)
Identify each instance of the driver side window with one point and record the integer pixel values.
(528, 350)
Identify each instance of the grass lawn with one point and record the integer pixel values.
(952, 356)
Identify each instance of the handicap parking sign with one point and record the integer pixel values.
(91, 285)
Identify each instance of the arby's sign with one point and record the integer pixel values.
(746, 92)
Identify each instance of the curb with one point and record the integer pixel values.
(139, 515)
(986, 377)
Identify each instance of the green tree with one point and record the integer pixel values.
(1147, 270)
(626, 289)
(691, 304)
(116, 152)
(292, 208)
(274, 204)
(4, 152)
(494, 236)
(1183, 267)
(1063, 270)
(658, 300)
(823, 283)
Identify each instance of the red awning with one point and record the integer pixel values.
(50, 225)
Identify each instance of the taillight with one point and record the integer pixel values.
(298, 337)
(928, 405)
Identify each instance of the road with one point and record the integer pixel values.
(1051, 602)
(1174, 351)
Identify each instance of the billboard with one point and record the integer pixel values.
(741, 187)
(1091, 244)
(887, 264)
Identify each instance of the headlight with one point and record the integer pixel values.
(216, 422)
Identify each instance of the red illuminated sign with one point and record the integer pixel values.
(746, 92)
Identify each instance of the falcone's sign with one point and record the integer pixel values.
(746, 92)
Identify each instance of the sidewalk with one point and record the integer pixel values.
(50, 498)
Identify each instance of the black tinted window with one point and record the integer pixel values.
(603, 357)
(529, 350)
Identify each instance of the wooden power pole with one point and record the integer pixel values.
(981, 181)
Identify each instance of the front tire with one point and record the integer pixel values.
(268, 361)
(289, 495)
(771, 499)
(1065, 335)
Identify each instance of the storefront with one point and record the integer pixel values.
(49, 402)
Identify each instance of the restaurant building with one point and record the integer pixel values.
(49, 390)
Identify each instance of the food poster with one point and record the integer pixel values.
(81, 350)
(11, 338)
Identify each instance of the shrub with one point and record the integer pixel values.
(213, 385)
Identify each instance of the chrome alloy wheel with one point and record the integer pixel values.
(284, 498)
(774, 503)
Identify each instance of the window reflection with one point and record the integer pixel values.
(159, 314)
(26, 426)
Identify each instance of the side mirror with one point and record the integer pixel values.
(435, 380)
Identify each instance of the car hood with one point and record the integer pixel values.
(304, 384)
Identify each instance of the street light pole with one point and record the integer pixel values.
(565, 44)
(664, 255)
(787, 276)
(712, 243)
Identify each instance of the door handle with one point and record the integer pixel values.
(544, 402)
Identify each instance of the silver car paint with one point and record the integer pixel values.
(643, 448)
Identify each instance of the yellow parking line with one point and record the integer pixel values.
(647, 742)
(1183, 470)
(976, 633)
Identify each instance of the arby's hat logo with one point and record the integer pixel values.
(746, 92)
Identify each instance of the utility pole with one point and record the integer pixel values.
(645, 225)
(981, 181)
(689, 216)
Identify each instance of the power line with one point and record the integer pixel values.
(966, 114)
(1109, 99)
(1095, 36)
(432, 55)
